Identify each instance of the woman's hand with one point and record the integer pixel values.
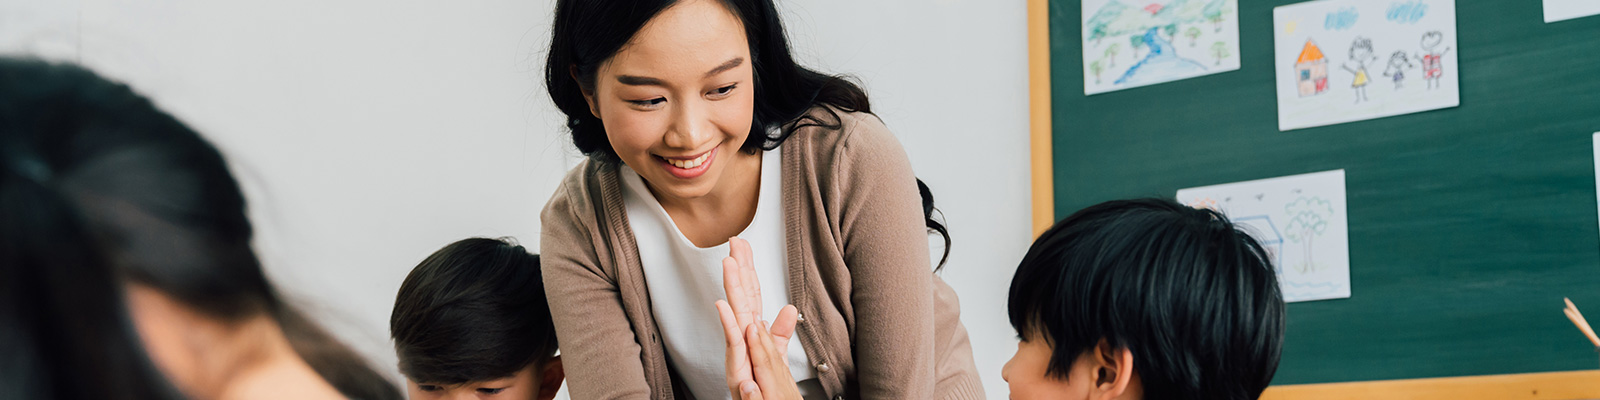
(769, 368)
(741, 313)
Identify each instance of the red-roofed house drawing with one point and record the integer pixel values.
(1312, 70)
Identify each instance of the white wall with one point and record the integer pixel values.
(370, 132)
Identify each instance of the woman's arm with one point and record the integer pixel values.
(886, 249)
(599, 349)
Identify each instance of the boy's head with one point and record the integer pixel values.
(472, 320)
(1145, 299)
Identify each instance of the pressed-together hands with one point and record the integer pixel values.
(757, 355)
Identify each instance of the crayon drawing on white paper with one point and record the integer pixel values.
(1133, 43)
(1341, 61)
(1299, 219)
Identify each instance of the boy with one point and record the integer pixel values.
(1130, 299)
(471, 321)
(1145, 299)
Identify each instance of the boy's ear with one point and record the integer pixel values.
(550, 378)
(1114, 375)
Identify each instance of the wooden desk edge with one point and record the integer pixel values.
(1544, 385)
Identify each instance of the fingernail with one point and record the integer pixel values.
(747, 387)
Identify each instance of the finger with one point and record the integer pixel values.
(783, 327)
(733, 284)
(730, 324)
(775, 359)
(740, 250)
(738, 366)
(766, 361)
(748, 390)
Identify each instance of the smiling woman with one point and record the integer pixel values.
(700, 127)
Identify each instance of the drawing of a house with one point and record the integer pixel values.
(1265, 232)
(1311, 70)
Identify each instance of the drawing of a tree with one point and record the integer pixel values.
(1213, 12)
(1111, 55)
(1097, 67)
(1137, 41)
(1220, 51)
(1308, 218)
(1193, 34)
(1171, 30)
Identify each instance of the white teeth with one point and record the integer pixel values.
(687, 164)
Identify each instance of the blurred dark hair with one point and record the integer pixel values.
(474, 310)
(65, 331)
(149, 198)
(1193, 297)
(587, 33)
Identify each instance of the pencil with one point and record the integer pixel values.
(1583, 325)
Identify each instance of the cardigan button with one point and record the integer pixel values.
(798, 317)
(823, 367)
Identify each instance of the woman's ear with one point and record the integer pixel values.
(1114, 375)
(588, 95)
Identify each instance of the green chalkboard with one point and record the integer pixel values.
(1467, 225)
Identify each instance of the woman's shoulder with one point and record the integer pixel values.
(838, 135)
(575, 195)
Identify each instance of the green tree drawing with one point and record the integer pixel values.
(1308, 219)
(1193, 34)
(1137, 41)
(1111, 55)
(1220, 51)
(1097, 67)
(1214, 12)
(1171, 30)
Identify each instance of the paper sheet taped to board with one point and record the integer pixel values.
(1301, 221)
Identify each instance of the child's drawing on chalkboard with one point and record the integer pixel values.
(1432, 58)
(1308, 219)
(1300, 222)
(1149, 31)
(1372, 29)
(1360, 55)
(1399, 62)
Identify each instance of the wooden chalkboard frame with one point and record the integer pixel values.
(1047, 208)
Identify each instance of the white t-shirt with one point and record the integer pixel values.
(685, 281)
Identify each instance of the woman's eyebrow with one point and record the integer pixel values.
(730, 64)
(632, 80)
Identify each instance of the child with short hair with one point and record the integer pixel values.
(472, 319)
(1145, 299)
(1128, 299)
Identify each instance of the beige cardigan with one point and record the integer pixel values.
(878, 324)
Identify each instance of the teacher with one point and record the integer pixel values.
(698, 126)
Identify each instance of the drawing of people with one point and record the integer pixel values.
(1432, 59)
(1360, 55)
(1399, 62)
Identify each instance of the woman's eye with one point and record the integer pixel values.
(491, 391)
(648, 103)
(722, 91)
(429, 388)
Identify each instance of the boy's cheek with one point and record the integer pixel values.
(1026, 376)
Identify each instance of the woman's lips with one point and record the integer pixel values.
(688, 167)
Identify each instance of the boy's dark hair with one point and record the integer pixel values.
(472, 311)
(1192, 296)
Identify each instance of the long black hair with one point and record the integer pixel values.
(127, 188)
(587, 33)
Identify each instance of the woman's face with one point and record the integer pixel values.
(677, 101)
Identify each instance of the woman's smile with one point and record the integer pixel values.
(687, 167)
